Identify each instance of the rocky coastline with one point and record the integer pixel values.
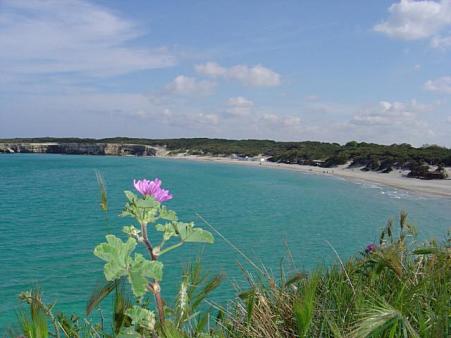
(112, 149)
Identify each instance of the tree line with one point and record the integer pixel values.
(368, 156)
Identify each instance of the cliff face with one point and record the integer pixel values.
(79, 148)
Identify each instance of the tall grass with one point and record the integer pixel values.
(398, 288)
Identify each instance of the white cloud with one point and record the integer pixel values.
(441, 42)
(185, 85)
(188, 120)
(292, 121)
(250, 75)
(271, 118)
(135, 115)
(312, 98)
(442, 84)
(254, 76)
(240, 101)
(243, 118)
(276, 121)
(73, 36)
(239, 106)
(383, 122)
(390, 113)
(324, 108)
(211, 69)
(412, 20)
(202, 118)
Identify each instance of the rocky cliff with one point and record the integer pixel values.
(115, 149)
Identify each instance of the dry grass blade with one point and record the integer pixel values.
(99, 294)
(103, 193)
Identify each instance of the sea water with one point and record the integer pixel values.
(50, 220)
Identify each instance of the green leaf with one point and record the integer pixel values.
(147, 202)
(167, 214)
(168, 229)
(128, 332)
(304, 306)
(130, 196)
(170, 330)
(383, 319)
(130, 209)
(144, 210)
(131, 230)
(426, 251)
(140, 270)
(125, 213)
(141, 317)
(117, 255)
(188, 233)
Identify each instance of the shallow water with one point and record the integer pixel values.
(50, 219)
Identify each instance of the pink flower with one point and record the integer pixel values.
(370, 248)
(152, 188)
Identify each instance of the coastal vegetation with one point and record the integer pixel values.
(397, 287)
(426, 162)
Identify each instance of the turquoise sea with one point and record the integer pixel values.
(50, 219)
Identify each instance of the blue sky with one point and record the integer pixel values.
(377, 71)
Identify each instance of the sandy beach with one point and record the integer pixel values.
(395, 179)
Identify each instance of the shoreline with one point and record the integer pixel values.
(395, 179)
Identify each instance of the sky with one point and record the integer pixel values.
(333, 71)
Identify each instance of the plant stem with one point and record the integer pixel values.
(160, 303)
(175, 246)
(154, 287)
(147, 242)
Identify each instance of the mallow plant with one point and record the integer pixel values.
(159, 230)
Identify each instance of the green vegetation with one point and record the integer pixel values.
(144, 275)
(396, 288)
(369, 156)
